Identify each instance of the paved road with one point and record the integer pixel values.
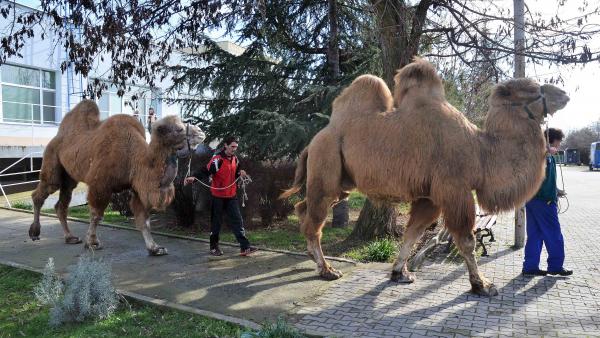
(438, 304)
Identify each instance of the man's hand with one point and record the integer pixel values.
(189, 180)
(243, 173)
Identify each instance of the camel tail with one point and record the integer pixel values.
(368, 94)
(300, 177)
(84, 116)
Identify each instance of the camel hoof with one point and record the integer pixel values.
(331, 274)
(93, 246)
(34, 232)
(158, 251)
(487, 291)
(399, 277)
(73, 240)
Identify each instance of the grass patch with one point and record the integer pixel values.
(82, 211)
(22, 205)
(380, 250)
(356, 200)
(279, 329)
(21, 316)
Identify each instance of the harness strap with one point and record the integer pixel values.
(525, 106)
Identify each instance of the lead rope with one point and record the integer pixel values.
(243, 182)
(562, 178)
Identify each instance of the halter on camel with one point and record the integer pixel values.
(525, 106)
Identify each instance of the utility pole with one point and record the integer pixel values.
(519, 12)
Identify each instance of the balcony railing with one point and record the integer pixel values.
(31, 171)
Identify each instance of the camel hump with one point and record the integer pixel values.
(84, 116)
(420, 79)
(366, 95)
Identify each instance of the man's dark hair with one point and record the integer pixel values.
(553, 134)
(230, 139)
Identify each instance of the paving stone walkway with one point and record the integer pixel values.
(366, 304)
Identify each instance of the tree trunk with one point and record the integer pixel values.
(376, 221)
(400, 29)
(340, 214)
(333, 48)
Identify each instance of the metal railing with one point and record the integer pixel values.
(31, 171)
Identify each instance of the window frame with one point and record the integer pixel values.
(40, 88)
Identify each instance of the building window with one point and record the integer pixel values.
(28, 95)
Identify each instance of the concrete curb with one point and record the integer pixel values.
(158, 302)
(166, 234)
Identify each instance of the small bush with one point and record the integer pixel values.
(279, 329)
(88, 293)
(380, 250)
(22, 205)
(50, 288)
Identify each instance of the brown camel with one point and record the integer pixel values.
(426, 152)
(111, 156)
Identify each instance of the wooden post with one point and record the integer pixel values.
(519, 9)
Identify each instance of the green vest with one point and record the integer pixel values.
(548, 190)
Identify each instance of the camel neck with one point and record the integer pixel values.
(512, 159)
(158, 153)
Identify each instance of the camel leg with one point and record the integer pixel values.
(460, 220)
(142, 222)
(312, 226)
(300, 208)
(51, 175)
(62, 208)
(39, 195)
(422, 213)
(97, 201)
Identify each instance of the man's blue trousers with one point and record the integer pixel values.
(543, 228)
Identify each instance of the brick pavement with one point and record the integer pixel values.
(366, 304)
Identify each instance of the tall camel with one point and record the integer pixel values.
(111, 156)
(414, 146)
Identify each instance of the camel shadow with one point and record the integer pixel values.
(464, 314)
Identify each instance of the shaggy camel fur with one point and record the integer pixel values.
(111, 156)
(426, 152)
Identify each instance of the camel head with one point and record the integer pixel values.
(528, 99)
(173, 134)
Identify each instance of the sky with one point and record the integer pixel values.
(581, 83)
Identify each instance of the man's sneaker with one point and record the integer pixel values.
(216, 252)
(561, 272)
(248, 251)
(537, 272)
